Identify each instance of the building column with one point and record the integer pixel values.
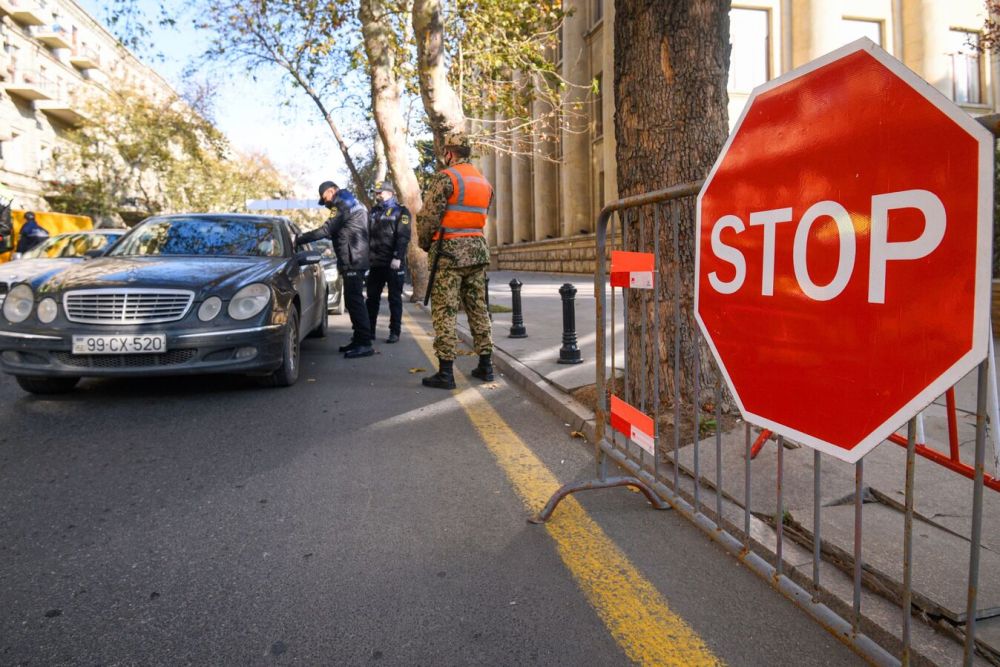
(545, 173)
(608, 104)
(521, 186)
(502, 188)
(489, 168)
(935, 64)
(575, 173)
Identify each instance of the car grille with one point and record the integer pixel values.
(171, 358)
(126, 306)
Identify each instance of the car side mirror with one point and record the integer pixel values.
(307, 257)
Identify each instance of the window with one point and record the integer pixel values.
(966, 67)
(852, 29)
(598, 10)
(598, 105)
(750, 59)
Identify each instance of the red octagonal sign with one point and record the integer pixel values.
(843, 259)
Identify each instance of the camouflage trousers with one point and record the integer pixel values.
(465, 285)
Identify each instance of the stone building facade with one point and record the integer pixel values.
(54, 55)
(544, 212)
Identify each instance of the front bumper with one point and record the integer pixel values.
(40, 353)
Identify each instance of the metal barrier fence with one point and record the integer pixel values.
(667, 482)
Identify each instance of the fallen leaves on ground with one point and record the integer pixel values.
(418, 370)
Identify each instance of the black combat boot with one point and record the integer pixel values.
(484, 371)
(444, 378)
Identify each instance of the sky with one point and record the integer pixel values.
(250, 112)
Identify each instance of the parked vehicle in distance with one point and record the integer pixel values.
(55, 254)
(178, 294)
(334, 281)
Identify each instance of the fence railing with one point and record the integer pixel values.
(660, 470)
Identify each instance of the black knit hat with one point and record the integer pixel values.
(323, 187)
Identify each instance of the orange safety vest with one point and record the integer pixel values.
(468, 204)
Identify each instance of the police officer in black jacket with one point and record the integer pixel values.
(348, 229)
(388, 236)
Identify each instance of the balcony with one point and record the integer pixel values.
(65, 110)
(24, 12)
(84, 58)
(53, 36)
(28, 86)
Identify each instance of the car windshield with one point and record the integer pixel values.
(214, 237)
(71, 245)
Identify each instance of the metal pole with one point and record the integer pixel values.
(643, 324)
(675, 224)
(697, 421)
(859, 478)
(780, 516)
(517, 329)
(718, 453)
(569, 353)
(746, 493)
(911, 451)
(657, 283)
(977, 514)
(817, 540)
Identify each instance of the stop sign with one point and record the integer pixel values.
(843, 250)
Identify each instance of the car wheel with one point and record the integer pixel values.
(288, 372)
(37, 385)
(324, 323)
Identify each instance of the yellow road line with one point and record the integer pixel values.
(632, 609)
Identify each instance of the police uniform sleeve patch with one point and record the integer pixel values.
(404, 219)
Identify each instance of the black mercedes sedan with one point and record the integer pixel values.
(178, 294)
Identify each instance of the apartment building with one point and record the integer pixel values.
(54, 56)
(544, 212)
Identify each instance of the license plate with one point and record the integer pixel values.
(125, 344)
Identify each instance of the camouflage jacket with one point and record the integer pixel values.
(462, 251)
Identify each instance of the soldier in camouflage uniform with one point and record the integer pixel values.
(461, 268)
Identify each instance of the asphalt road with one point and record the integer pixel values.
(354, 518)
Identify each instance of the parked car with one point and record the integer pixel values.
(334, 281)
(178, 294)
(55, 254)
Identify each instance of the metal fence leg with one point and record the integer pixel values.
(911, 451)
(977, 514)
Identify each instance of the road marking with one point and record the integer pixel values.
(630, 606)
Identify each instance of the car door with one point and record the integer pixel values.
(310, 284)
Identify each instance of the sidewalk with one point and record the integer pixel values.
(943, 498)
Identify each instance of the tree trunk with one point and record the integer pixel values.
(388, 110)
(381, 166)
(671, 66)
(443, 106)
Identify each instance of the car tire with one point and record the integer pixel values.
(324, 323)
(288, 372)
(55, 385)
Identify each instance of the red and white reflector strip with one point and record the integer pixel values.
(633, 424)
(632, 269)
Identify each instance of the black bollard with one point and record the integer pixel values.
(569, 353)
(517, 329)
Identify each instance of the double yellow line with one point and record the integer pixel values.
(631, 608)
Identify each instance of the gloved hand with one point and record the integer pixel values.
(395, 264)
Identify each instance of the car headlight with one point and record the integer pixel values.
(17, 306)
(47, 310)
(211, 307)
(249, 301)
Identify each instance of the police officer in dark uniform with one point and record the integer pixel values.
(31, 234)
(388, 236)
(348, 229)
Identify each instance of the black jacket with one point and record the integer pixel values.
(348, 229)
(389, 225)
